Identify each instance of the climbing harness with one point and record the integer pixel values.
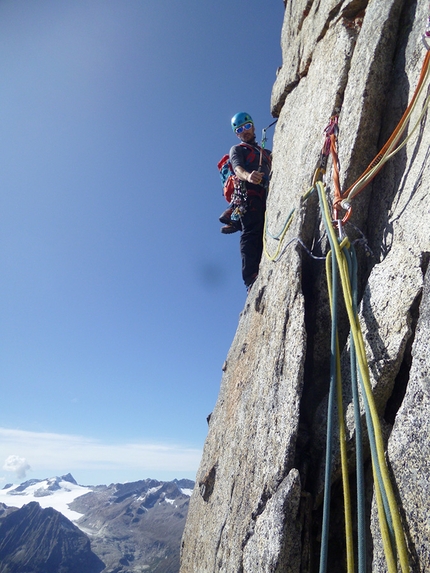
(240, 195)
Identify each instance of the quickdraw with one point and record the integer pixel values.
(238, 199)
(263, 143)
(264, 136)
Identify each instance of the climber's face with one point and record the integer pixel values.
(247, 134)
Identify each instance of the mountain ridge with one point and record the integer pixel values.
(132, 527)
(37, 540)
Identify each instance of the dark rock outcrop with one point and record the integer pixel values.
(36, 540)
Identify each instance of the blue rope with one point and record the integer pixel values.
(276, 237)
(330, 418)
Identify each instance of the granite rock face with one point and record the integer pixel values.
(256, 506)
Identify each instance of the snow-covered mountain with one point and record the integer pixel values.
(55, 492)
(132, 527)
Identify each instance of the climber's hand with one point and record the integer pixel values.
(255, 177)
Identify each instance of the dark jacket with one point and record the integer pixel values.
(247, 156)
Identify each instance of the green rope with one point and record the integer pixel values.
(351, 259)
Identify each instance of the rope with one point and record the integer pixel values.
(351, 258)
(330, 416)
(392, 533)
(342, 262)
(343, 199)
(380, 469)
(335, 383)
(389, 149)
(332, 272)
(281, 235)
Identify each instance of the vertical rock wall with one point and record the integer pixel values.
(257, 502)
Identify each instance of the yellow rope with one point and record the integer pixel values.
(279, 239)
(383, 526)
(282, 234)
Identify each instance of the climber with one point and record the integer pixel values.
(251, 165)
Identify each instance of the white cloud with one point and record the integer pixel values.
(64, 453)
(16, 465)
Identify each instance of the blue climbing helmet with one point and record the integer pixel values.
(240, 119)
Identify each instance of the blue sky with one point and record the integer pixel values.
(119, 297)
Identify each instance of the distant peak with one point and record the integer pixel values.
(69, 478)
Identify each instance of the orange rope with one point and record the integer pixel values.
(330, 148)
(336, 179)
(397, 133)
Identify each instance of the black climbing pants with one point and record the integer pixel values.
(251, 240)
